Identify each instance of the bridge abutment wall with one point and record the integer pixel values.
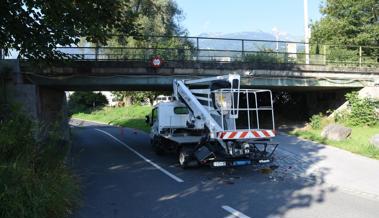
(45, 106)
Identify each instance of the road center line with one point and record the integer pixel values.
(235, 213)
(143, 157)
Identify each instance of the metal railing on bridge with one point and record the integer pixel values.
(178, 48)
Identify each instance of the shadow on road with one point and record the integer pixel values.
(116, 180)
(259, 192)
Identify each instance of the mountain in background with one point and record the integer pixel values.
(248, 45)
(257, 35)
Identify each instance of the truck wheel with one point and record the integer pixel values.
(156, 144)
(185, 158)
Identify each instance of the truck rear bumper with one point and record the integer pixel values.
(261, 153)
(237, 162)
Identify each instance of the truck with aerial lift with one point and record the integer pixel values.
(213, 121)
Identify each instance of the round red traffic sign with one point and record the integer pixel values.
(156, 61)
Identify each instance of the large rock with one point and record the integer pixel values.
(336, 132)
(375, 140)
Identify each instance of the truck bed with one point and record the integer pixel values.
(181, 139)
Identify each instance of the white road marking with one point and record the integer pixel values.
(143, 157)
(234, 213)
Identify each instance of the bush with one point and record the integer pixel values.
(46, 194)
(86, 101)
(315, 121)
(266, 57)
(362, 111)
(342, 55)
(16, 137)
(34, 181)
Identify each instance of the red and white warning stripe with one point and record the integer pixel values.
(246, 134)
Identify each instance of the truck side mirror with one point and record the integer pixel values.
(147, 119)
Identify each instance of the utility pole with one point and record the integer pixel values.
(277, 33)
(306, 32)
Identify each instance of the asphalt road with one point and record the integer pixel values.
(121, 177)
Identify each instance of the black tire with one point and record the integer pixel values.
(186, 159)
(157, 147)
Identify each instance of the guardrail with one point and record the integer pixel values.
(178, 48)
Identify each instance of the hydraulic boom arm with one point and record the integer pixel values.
(201, 115)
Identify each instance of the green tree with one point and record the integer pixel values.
(348, 22)
(36, 28)
(86, 101)
(136, 97)
(362, 110)
(159, 17)
(156, 18)
(151, 95)
(124, 96)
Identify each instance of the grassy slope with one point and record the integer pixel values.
(131, 116)
(357, 143)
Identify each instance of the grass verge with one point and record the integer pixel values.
(27, 193)
(132, 116)
(358, 142)
(34, 179)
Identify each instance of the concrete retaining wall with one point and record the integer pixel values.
(46, 106)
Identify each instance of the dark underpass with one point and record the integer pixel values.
(293, 106)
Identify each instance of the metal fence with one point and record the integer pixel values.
(230, 50)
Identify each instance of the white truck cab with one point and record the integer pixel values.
(168, 115)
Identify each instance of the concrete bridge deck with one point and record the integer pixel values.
(139, 75)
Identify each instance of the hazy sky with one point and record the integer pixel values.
(229, 16)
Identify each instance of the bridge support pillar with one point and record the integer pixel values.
(53, 111)
(45, 106)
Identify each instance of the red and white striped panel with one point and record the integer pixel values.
(253, 134)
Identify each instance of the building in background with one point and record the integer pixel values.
(292, 50)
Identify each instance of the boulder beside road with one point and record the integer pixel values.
(336, 132)
(375, 141)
